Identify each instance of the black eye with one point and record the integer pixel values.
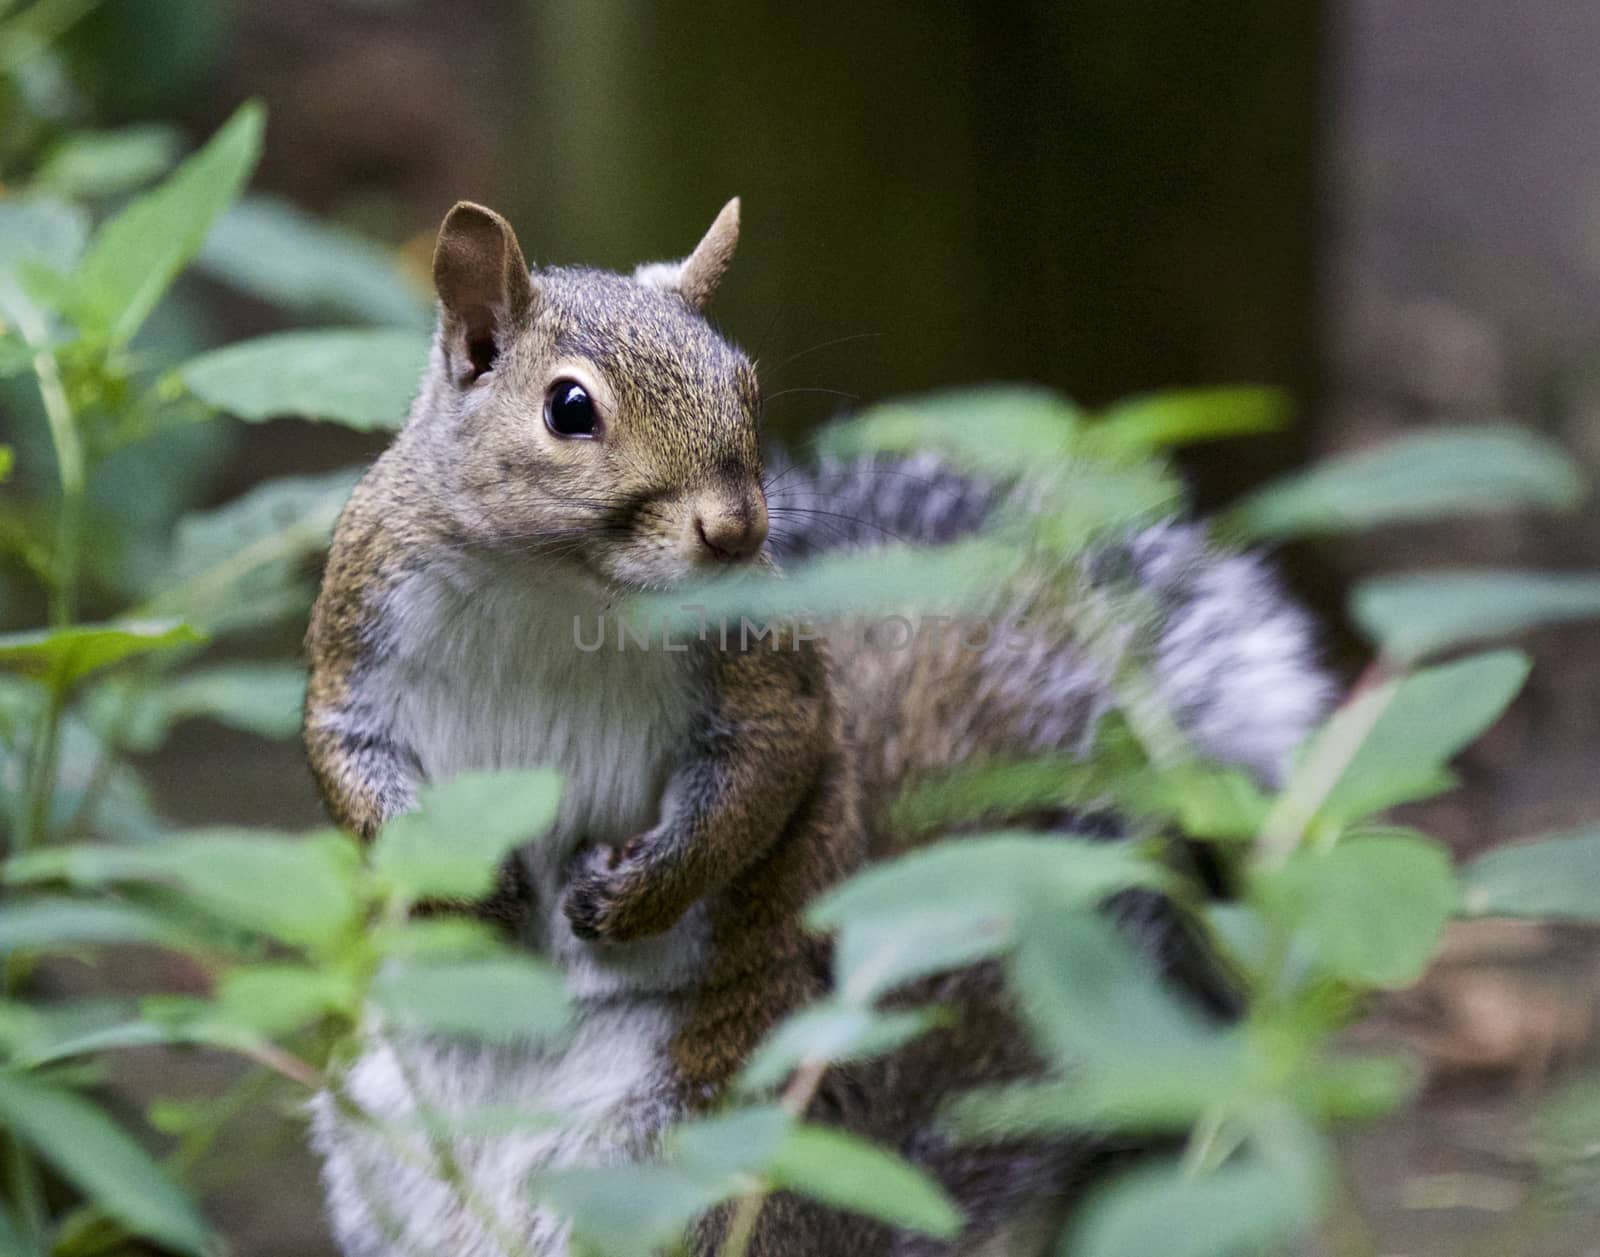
(569, 410)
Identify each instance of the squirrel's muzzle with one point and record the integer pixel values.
(730, 529)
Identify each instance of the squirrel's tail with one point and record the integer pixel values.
(1232, 658)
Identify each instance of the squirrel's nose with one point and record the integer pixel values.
(734, 531)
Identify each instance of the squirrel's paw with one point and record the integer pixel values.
(613, 894)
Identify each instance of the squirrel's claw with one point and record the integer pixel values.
(608, 898)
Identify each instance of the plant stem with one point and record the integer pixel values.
(1330, 755)
(797, 1097)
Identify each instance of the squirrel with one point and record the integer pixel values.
(580, 436)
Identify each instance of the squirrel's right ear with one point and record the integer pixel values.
(485, 291)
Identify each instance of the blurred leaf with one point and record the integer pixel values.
(91, 164)
(728, 1144)
(111, 1170)
(1357, 1088)
(452, 845)
(136, 255)
(261, 698)
(1004, 429)
(1425, 720)
(1552, 877)
(274, 1000)
(1159, 420)
(7, 460)
(362, 378)
(1256, 1202)
(34, 232)
(498, 1000)
(138, 713)
(830, 1031)
(1565, 1145)
(298, 890)
(628, 1210)
(1215, 804)
(15, 356)
(1094, 1000)
(904, 578)
(1439, 474)
(278, 252)
(434, 937)
(842, 1170)
(1371, 910)
(242, 565)
(1416, 615)
(956, 902)
(62, 656)
(50, 922)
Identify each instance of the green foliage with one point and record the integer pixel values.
(1435, 475)
(84, 1144)
(487, 814)
(62, 657)
(1548, 878)
(136, 255)
(362, 378)
(268, 247)
(1414, 616)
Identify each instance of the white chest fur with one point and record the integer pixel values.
(488, 672)
(483, 669)
(494, 665)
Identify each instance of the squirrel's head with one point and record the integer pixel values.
(592, 416)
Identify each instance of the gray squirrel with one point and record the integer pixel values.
(580, 436)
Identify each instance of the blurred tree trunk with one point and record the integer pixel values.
(1103, 196)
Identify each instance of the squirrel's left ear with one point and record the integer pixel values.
(485, 291)
(697, 276)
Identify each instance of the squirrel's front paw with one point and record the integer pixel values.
(614, 894)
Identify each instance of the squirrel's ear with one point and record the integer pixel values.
(485, 291)
(697, 276)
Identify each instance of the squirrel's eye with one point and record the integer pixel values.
(569, 410)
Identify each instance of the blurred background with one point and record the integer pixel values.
(1391, 210)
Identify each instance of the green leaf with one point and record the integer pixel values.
(91, 164)
(628, 1210)
(1007, 430)
(260, 698)
(273, 249)
(1413, 616)
(904, 578)
(362, 378)
(7, 461)
(46, 923)
(831, 1031)
(275, 1000)
(1440, 474)
(452, 845)
(1161, 420)
(1254, 1203)
(728, 1144)
(103, 1162)
(498, 1000)
(36, 232)
(1370, 911)
(63, 656)
(1425, 720)
(841, 1170)
(135, 256)
(956, 902)
(298, 890)
(1094, 1000)
(1550, 877)
(244, 564)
